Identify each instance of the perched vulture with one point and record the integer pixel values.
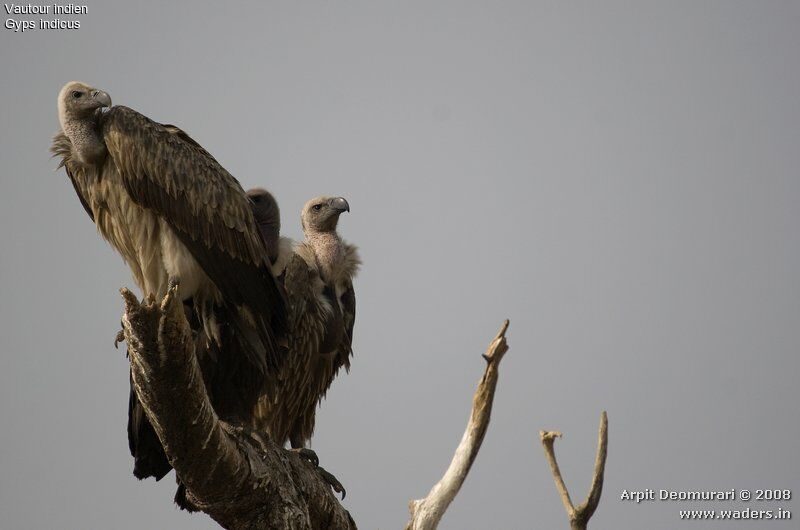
(175, 214)
(317, 276)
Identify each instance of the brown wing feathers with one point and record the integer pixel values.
(289, 412)
(167, 172)
(348, 301)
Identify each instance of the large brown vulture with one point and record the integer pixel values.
(318, 278)
(175, 214)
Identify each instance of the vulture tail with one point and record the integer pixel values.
(182, 500)
(236, 382)
(149, 459)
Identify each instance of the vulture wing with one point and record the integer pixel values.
(308, 314)
(294, 394)
(165, 171)
(345, 351)
(347, 301)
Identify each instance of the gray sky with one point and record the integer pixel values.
(619, 179)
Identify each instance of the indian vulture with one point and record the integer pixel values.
(317, 275)
(175, 214)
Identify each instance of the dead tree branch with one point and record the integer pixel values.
(426, 513)
(579, 516)
(241, 480)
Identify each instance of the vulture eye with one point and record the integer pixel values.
(256, 199)
(77, 94)
(317, 207)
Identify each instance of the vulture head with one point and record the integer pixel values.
(268, 218)
(322, 213)
(79, 101)
(78, 112)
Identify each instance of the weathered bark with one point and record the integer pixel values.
(579, 515)
(426, 513)
(240, 479)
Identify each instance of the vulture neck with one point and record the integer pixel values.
(87, 146)
(328, 251)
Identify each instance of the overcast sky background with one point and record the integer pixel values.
(618, 179)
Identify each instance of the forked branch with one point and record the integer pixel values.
(579, 515)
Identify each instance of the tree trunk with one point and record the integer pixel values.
(242, 480)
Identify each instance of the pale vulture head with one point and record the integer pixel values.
(78, 101)
(322, 213)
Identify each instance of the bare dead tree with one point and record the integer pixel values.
(239, 478)
(579, 515)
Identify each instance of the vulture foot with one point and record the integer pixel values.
(333, 481)
(312, 458)
(119, 338)
(307, 454)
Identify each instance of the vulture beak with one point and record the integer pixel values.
(339, 204)
(102, 99)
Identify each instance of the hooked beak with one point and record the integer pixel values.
(339, 204)
(101, 98)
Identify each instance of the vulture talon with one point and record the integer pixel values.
(119, 338)
(307, 455)
(312, 458)
(332, 481)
